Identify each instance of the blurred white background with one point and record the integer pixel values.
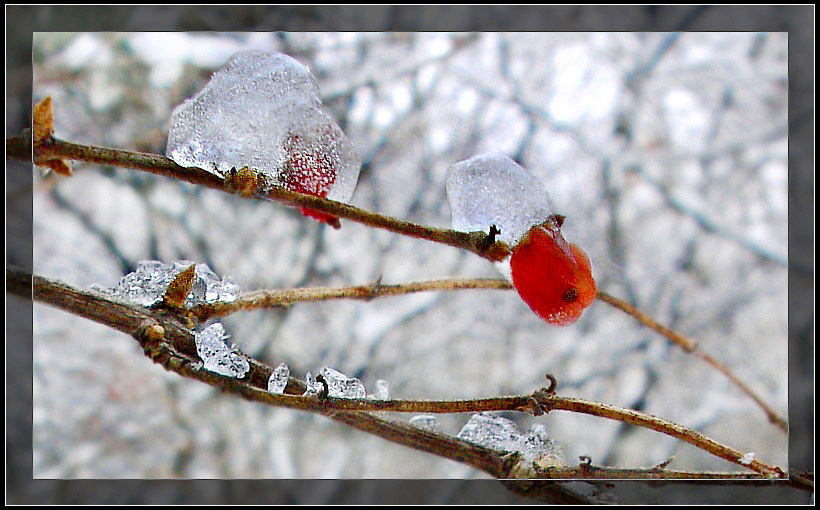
(667, 152)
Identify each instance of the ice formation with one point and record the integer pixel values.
(216, 355)
(262, 110)
(148, 284)
(502, 434)
(492, 189)
(552, 276)
(747, 459)
(338, 384)
(278, 379)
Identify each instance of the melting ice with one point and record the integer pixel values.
(262, 110)
(216, 355)
(492, 189)
(502, 434)
(148, 284)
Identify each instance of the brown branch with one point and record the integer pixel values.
(166, 338)
(479, 243)
(690, 346)
(277, 298)
(55, 149)
(262, 299)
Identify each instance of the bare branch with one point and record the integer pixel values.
(166, 338)
(690, 346)
(53, 148)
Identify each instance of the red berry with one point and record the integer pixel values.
(552, 276)
(311, 169)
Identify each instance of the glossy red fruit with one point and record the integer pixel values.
(552, 276)
(312, 169)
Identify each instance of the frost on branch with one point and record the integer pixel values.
(262, 110)
(147, 285)
(502, 434)
(217, 356)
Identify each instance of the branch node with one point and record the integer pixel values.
(244, 180)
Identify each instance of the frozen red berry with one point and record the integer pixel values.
(552, 276)
(312, 169)
(262, 111)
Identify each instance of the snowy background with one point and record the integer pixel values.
(666, 152)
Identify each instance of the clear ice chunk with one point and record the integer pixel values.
(492, 189)
(338, 384)
(147, 285)
(262, 110)
(342, 386)
(501, 434)
(279, 379)
(426, 422)
(313, 386)
(216, 355)
(491, 432)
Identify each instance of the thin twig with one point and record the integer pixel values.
(262, 299)
(690, 346)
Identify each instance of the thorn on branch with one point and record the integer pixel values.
(42, 122)
(537, 401)
(553, 384)
(494, 231)
(489, 246)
